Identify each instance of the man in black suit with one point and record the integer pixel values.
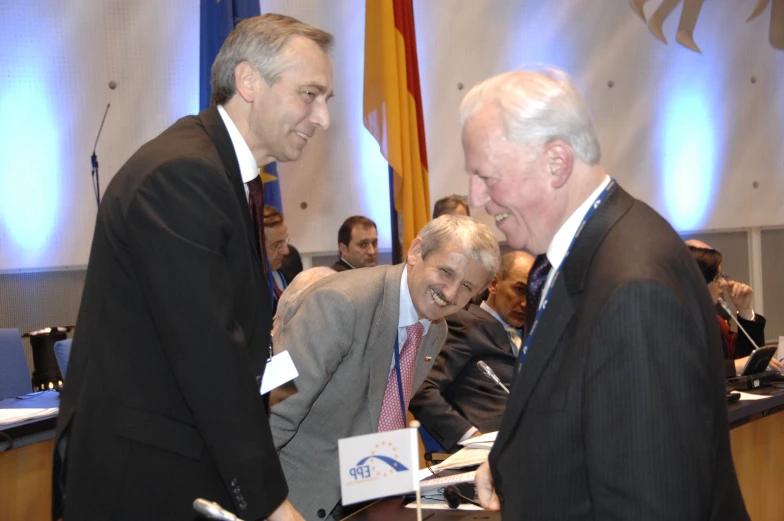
(358, 244)
(162, 402)
(456, 400)
(276, 244)
(617, 408)
(292, 264)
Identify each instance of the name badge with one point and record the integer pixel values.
(280, 370)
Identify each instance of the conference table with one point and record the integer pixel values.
(26, 448)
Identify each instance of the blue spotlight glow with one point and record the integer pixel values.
(373, 184)
(29, 166)
(687, 135)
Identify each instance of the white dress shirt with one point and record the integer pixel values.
(249, 168)
(559, 246)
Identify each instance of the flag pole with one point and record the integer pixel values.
(415, 425)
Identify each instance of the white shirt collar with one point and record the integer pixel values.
(347, 262)
(484, 305)
(407, 312)
(565, 234)
(249, 169)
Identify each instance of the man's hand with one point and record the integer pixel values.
(485, 489)
(286, 512)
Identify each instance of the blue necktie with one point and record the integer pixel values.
(533, 291)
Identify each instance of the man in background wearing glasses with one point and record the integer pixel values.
(276, 242)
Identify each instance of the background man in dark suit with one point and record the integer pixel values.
(162, 401)
(276, 245)
(358, 244)
(617, 408)
(457, 401)
(341, 333)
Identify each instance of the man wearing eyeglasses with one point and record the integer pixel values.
(276, 242)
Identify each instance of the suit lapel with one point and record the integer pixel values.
(430, 346)
(216, 129)
(494, 329)
(380, 345)
(560, 307)
(559, 312)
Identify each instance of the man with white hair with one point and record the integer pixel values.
(617, 408)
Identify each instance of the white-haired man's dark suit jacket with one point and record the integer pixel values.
(341, 335)
(619, 410)
(456, 395)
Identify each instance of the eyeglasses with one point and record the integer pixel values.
(278, 246)
(721, 277)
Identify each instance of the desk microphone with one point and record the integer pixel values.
(732, 316)
(212, 510)
(490, 374)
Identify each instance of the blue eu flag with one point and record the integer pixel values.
(218, 18)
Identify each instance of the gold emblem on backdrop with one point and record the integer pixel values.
(691, 12)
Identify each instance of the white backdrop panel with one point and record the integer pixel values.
(56, 61)
(690, 134)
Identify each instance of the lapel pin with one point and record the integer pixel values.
(428, 359)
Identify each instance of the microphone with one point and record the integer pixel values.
(491, 374)
(726, 308)
(212, 510)
(94, 158)
(454, 495)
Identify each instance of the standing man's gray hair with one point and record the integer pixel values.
(538, 107)
(259, 41)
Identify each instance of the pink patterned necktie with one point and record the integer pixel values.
(391, 417)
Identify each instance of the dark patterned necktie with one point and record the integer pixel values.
(533, 291)
(256, 204)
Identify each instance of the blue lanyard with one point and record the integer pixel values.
(399, 381)
(601, 198)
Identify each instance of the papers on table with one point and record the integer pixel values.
(485, 441)
(29, 407)
(465, 457)
(437, 503)
(473, 453)
(749, 396)
(435, 483)
(10, 417)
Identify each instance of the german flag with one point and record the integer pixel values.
(393, 109)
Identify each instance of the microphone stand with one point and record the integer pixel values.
(94, 161)
(732, 316)
(212, 510)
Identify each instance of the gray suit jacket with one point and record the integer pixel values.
(341, 335)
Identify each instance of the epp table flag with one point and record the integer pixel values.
(378, 465)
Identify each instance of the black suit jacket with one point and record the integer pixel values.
(292, 264)
(618, 411)
(456, 395)
(341, 265)
(162, 404)
(755, 328)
